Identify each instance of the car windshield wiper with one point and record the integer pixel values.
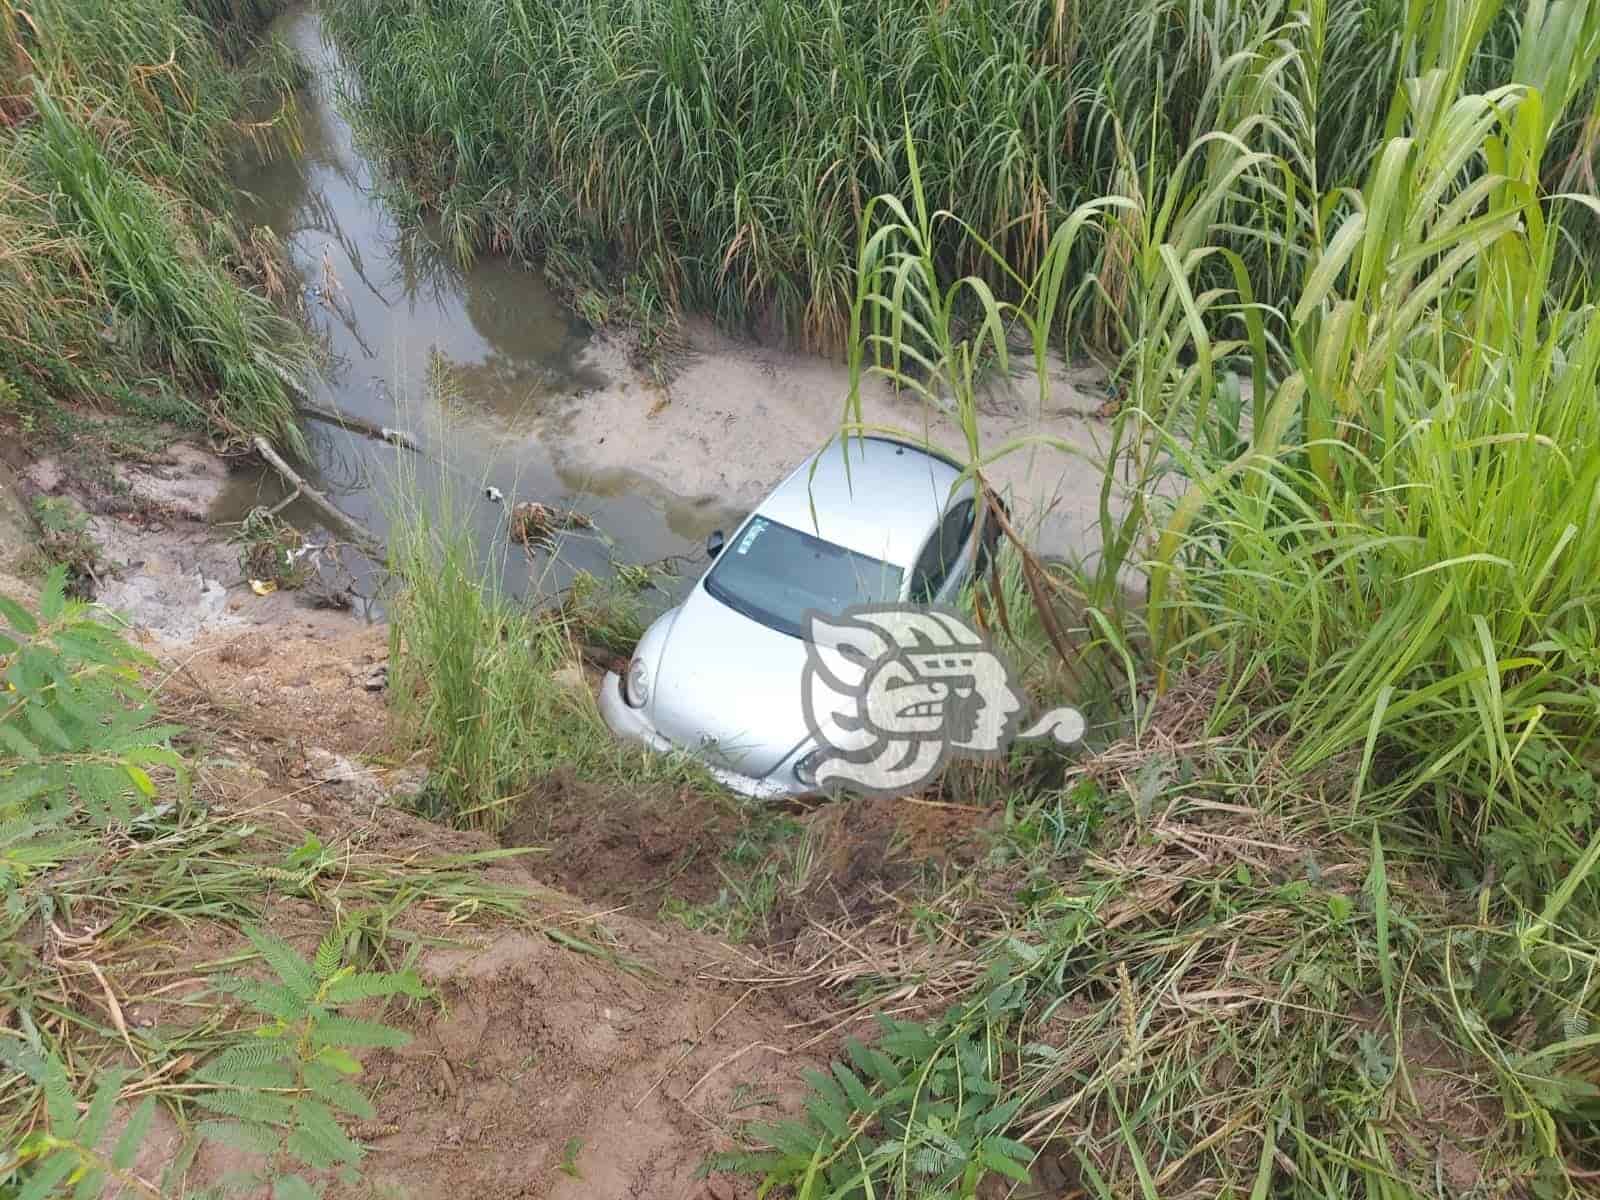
(746, 608)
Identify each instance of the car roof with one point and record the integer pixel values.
(884, 506)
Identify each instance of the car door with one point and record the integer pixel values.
(946, 560)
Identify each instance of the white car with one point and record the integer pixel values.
(864, 520)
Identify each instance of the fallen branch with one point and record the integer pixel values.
(307, 407)
(371, 429)
(361, 537)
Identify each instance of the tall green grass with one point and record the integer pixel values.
(725, 149)
(491, 690)
(1374, 503)
(122, 118)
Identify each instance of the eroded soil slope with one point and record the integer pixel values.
(578, 1052)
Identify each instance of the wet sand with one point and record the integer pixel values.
(736, 417)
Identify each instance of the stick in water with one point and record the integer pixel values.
(363, 538)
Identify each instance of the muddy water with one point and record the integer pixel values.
(469, 361)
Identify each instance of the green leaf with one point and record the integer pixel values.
(247, 1057)
(237, 1135)
(1378, 884)
(53, 599)
(269, 999)
(46, 726)
(48, 1175)
(860, 1100)
(133, 1134)
(832, 1118)
(292, 1187)
(346, 1099)
(293, 970)
(348, 1031)
(318, 1139)
(250, 1107)
(18, 616)
(90, 1185)
(350, 989)
(791, 1137)
(339, 1059)
(16, 741)
(329, 957)
(93, 1122)
(60, 1104)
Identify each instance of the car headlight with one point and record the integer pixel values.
(636, 687)
(805, 770)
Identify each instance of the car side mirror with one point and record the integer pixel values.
(714, 543)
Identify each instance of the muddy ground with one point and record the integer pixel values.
(599, 1047)
(735, 416)
(546, 1071)
(543, 1070)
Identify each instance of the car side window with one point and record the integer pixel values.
(942, 553)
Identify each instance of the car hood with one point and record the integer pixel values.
(725, 677)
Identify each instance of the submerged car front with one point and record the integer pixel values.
(719, 676)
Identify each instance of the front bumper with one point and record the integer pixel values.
(632, 724)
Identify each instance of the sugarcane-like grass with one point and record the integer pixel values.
(724, 150)
(120, 257)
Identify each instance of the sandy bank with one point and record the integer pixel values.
(737, 417)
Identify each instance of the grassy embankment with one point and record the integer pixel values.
(122, 278)
(1322, 921)
(716, 155)
(123, 281)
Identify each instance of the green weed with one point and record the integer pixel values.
(723, 150)
(68, 1150)
(1390, 562)
(282, 1092)
(64, 540)
(484, 683)
(109, 182)
(1173, 978)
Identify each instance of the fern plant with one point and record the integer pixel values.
(66, 1155)
(920, 1114)
(281, 1093)
(78, 735)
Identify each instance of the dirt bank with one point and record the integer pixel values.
(737, 416)
(574, 1052)
(140, 527)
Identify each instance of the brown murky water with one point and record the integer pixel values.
(396, 313)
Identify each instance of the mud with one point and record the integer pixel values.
(538, 1070)
(736, 417)
(624, 851)
(634, 851)
(547, 1074)
(162, 568)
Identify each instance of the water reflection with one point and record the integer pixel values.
(464, 359)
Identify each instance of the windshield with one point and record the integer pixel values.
(774, 574)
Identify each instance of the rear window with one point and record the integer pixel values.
(775, 575)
